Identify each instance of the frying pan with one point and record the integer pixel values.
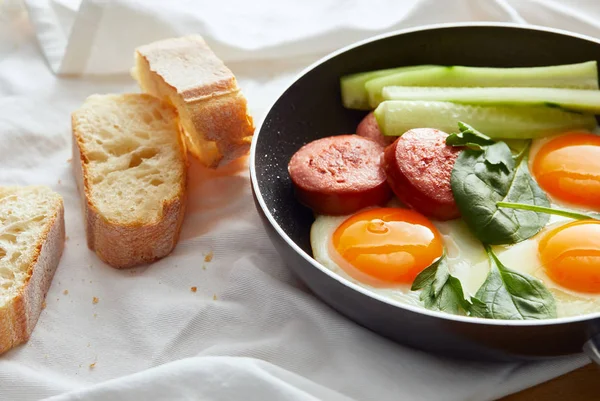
(310, 108)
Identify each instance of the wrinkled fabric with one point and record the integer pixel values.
(250, 330)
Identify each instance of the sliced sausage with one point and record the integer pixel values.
(339, 174)
(418, 166)
(369, 129)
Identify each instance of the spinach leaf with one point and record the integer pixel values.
(472, 139)
(482, 178)
(468, 135)
(550, 210)
(441, 291)
(507, 294)
(475, 140)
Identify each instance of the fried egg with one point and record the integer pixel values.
(551, 259)
(384, 249)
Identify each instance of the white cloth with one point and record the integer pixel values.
(250, 331)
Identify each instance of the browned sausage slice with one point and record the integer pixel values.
(418, 166)
(339, 175)
(369, 129)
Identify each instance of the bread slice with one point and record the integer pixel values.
(130, 165)
(185, 72)
(32, 237)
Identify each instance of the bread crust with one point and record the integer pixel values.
(206, 89)
(127, 245)
(20, 315)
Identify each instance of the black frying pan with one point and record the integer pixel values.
(311, 108)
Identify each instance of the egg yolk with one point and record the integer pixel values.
(389, 244)
(570, 254)
(568, 168)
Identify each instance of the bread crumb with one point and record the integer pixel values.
(66, 292)
(194, 289)
(208, 257)
(69, 160)
(58, 182)
(92, 365)
(95, 300)
(214, 297)
(44, 305)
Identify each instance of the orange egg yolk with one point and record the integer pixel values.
(570, 254)
(568, 168)
(389, 244)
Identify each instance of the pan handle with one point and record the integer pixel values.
(592, 349)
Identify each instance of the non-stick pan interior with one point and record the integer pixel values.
(311, 108)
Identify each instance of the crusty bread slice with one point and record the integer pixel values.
(213, 110)
(32, 237)
(130, 165)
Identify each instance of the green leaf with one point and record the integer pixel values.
(495, 155)
(475, 140)
(426, 277)
(468, 136)
(508, 294)
(474, 146)
(441, 291)
(480, 180)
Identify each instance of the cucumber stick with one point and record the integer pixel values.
(354, 94)
(572, 99)
(574, 76)
(395, 117)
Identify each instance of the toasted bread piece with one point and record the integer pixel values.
(32, 237)
(130, 165)
(213, 110)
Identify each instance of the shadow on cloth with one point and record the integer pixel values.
(214, 195)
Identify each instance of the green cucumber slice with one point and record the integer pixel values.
(574, 76)
(395, 117)
(354, 94)
(571, 99)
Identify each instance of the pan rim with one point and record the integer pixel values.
(415, 309)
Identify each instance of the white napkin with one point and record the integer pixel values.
(250, 330)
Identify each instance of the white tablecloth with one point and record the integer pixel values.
(250, 331)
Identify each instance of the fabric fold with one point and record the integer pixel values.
(104, 34)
